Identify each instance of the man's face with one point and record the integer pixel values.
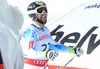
(43, 15)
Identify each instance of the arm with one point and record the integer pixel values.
(62, 48)
(30, 36)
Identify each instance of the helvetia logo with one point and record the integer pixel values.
(92, 6)
(92, 44)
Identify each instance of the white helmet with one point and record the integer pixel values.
(35, 8)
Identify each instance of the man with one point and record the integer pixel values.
(37, 43)
(11, 21)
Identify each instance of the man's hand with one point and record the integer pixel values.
(78, 51)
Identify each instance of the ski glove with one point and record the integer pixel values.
(50, 54)
(78, 51)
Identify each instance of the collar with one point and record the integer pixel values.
(36, 26)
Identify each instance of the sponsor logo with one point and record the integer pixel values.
(46, 36)
(92, 6)
(35, 62)
(92, 44)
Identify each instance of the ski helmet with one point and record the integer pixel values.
(35, 8)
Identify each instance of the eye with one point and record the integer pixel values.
(40, 10)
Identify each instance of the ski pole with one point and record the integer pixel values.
(46, 64)
(67, 62)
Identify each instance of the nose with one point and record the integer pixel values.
(44, 12)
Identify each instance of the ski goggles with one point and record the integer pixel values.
(38, 10)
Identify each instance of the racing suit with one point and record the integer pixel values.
(34, 42)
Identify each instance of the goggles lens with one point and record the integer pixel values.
(40, 10)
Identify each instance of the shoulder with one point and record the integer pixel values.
(46, 27)
(29, 33)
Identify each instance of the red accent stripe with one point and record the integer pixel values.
(31, 43)
(55, 67)
(35, 62)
